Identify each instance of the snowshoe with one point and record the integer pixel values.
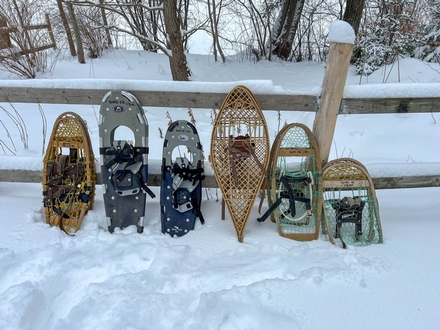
(124, 164)
(351, 210)
(182, 176)
(69, 174)
(294, 189)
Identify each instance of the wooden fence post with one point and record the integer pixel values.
(5, 41)
(49, 30)
(332, 89)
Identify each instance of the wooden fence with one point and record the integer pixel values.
(330, 106)
(5, 40)
(209, 100)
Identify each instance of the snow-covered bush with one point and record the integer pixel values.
(390, 34)
(430, 49)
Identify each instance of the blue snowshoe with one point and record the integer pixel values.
(124, 164)
(181, 185)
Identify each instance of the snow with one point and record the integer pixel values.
(341, 32)
(206, 279)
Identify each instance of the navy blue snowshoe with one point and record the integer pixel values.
(181, 185)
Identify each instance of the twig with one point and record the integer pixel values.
(43, 118)
(191, 116)
(336, 148)
(9, 135)
(4, 144)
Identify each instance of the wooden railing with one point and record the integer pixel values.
(5, 42)
(196, 96)
(209, 100)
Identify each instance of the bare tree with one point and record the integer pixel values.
(178, 64)
(214, 15)
(65, 22)
(164, 33)
(75, 26)
(285, 28)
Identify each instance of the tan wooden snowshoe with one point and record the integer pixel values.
(351, 210)
(69, 175)
(240, 153)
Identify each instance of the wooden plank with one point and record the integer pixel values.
(151, 98)
(8, 30)
(390, 105)
(282, 102)
(346, 184)
(36, 27)
(407, 182)
(428, 181)
(21, 53)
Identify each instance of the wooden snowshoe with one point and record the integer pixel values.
(124, 164)
(351, 210)
(69, 175)
(240, 153)
(181, 185)
(294, 188)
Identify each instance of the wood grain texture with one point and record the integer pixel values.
(333, 85)
(426, 181)
(151, 98)
(199, 100)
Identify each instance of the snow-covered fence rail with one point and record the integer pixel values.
(196, 95)
(213, 100)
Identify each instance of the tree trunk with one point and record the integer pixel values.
(286, 27)
(105, 23)
(79, 44)
(353, 13)
(213, 18)
(178, 64)
(66, 28)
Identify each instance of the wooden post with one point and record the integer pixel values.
(49, 30)
(5, 41)
(332, 89)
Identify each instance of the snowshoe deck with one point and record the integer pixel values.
(240, 153)
(69, 175)
(181, 185)
(294, 189)
(351, 210)
(124, 164)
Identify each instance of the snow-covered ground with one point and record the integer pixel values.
(206, 279)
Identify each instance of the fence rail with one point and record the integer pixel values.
(57, 94)
(154, 179)
(209, 100)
